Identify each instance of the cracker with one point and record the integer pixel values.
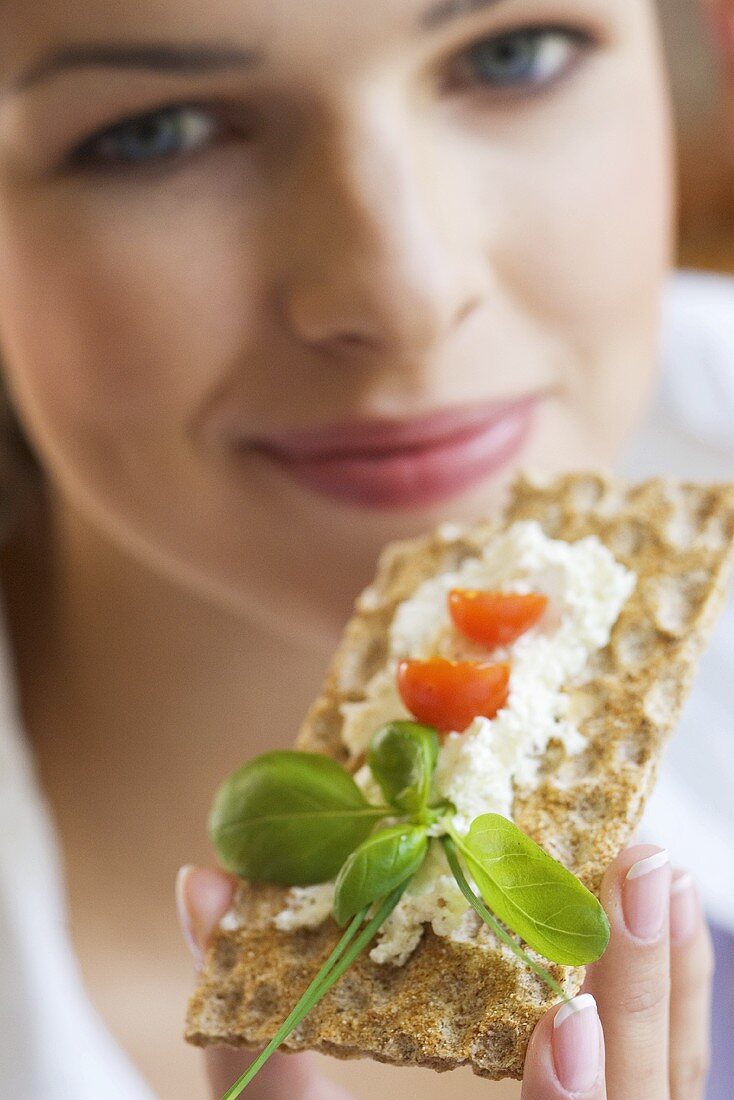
(474, 1003)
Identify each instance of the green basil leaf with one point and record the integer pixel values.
(381, 864)
(290, 818)
(534, 894)
(402, 757)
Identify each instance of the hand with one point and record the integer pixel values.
(653, 991)
(652, 988)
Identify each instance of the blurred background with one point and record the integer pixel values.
(706, 160)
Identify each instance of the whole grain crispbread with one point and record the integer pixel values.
(472, 1002)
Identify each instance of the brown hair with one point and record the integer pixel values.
(20, 470)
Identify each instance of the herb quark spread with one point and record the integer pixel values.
(478, 767)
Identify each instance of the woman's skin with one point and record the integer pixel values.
(721, 17)
(345, 213)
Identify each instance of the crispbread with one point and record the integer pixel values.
(473, 1002)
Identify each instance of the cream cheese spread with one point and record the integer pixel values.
(586, 589)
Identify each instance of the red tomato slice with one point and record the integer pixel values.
(449, 695)
(494, 618)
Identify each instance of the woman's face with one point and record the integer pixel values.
(281, 281)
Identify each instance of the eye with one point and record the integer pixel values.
(157, 136)
(523, 59)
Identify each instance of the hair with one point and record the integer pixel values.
(21, 474)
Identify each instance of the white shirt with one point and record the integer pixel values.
(52, 1043)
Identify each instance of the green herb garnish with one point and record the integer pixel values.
(341, 959)
(402, 757)
(298, 819)
(290, 818)
(384, 862)
(482, 911)
(533, 894)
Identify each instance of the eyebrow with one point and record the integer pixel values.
(446, 10)
(158, 57)
(192, 58)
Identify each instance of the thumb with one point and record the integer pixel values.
(565, 1056)
(203, 896)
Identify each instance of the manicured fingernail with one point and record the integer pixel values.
(184, 915)
(576, 1046)
(683, 908)
(645, 896)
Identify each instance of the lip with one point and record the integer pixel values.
(403, 463)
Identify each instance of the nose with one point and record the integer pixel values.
(375, 262)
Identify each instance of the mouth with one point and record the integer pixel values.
(403, 463)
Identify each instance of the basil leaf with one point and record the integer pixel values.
(534, 894)
(381, 864)
(489, 919)
(402, 757)
(290, 818)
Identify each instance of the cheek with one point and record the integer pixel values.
(122, 317)
(590, 234)
(585, 238)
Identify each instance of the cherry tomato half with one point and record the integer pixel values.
(494, 618)
(449, 695)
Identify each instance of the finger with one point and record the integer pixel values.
(203, 896)
(565, 1055)
(691, 975)
(631, 981)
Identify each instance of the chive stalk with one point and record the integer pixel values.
(341, 958)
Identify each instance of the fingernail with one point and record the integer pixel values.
(683, 908)
(576, 1046)
(645, 896)
(184, 915)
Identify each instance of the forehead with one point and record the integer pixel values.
(327, 29)
(272, 23)
(293, 40)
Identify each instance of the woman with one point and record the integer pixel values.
(279, 282)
